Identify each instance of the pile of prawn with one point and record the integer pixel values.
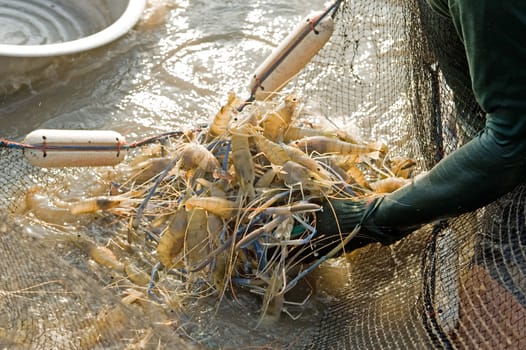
(234, 204)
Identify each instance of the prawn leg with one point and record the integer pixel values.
(268, 227)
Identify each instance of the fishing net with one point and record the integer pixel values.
(454, 284)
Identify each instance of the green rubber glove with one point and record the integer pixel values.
(478, 173)
(340, 217)
(487, 167)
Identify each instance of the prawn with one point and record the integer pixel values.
(300, 157)
(150, 168)
(273, 151)
(196, 242)
(44, 209)
(105, 257)
(220, 123)
(276, 122)
(267, 178)
(294, 133)
(323, 145)
(293, 173)
(274, 296)
(242, 160)
(288, 107)
(92, 205)
(135, 274)
(219, 206)
(196, 156)
(212, 187)
(402, 167)
(358, 176)
(172, 241)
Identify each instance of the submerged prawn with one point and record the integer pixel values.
(92, 205)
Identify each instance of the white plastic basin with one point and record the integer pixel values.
(32, 30)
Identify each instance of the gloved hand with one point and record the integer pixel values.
(342, 216)
(339, 217)
(488, 166)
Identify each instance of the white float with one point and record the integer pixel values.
(51, 148)
(295, 51)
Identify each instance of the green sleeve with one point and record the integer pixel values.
(494, 34)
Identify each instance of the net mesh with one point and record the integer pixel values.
(398, 70)
(455, 284)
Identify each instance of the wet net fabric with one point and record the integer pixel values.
(453, 284)
(49, 303)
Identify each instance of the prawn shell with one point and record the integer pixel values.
(198, 156)
(197, 247)
(171, 242)
(220, 123)
(324, 145)
(215, 205)
(243, 162)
